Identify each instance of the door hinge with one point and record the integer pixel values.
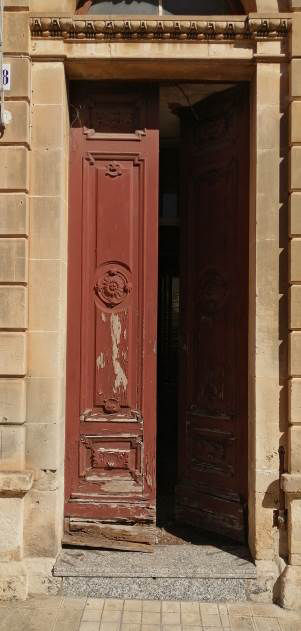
(280, 515)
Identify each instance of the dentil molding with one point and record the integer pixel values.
(72, 28)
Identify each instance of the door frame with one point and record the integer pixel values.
(265, 76)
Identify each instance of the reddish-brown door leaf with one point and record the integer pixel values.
(212, 488)
(112, 298)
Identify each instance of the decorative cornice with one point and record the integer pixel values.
(182, 29)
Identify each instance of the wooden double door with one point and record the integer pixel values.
(112, 312)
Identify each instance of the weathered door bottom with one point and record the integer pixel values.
(93, 534)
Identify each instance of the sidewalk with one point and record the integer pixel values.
(55, 613)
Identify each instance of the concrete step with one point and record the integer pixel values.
(188, 572)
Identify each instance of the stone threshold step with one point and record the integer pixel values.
(202, 589)
(168, 561)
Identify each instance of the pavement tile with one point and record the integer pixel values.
(266, 624)
(18, 619)
(113, 604)
(171, 618)
(208, 608)
(265, 610)
(95, 603)
(170, 606)
(290, 625)
(91, 614)
(241, 623)
(171, 627)
(190, 607)
(132, 616)
(89, 625)
(109, 626)
(130, 627)
(44, 602)
(239, 609)
(132, 605)
(211, 619)
(150, 627)
(68, 618)
(151, 617)
(111, 615)
(190, 618)
(224, 616)
(192, 628)
(151, 605)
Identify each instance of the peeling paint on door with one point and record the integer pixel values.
(100, 361)
(120, 377)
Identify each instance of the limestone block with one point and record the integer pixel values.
(295, 260)
(295, 79)
(296, 36)
(12, 447)
(16, 32)
(40, 579)
(13, 581)
(47, 480)
(295, 307)
(42, 523)
(295, 167)
(295, 354)
(290, 587)
(12, 354)
(295, 214)
(17, 4)
(264, 534)
(11, 528)
(291, 483)
(14, 168)
(14, 215)
(48, 82)
(20, 77)
(13, 256)
(268, 126)
(47, 217)
(44, 297)
(56, 5)
(294, 400)
(47, 172)
(295, 449)
(267, 84)
(295, 121)
(15, 482)
(44, 359)
(12, 401)
(44, 400)
(268, 48)
(17, 130)
(13, 307)
(47, 126)
(267, 175)
(42, 446)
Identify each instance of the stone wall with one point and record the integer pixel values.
(292, 481)
(33, 245)
(14, 226)
(33, 193)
